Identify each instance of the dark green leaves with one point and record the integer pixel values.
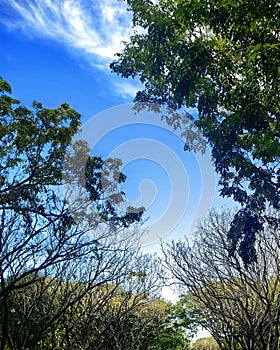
(223, 58)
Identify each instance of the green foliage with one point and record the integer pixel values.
(171, 334)
(32, 148)
(100, 179)
(106, 317)
(188, 313)
(205, 344)
(34, 145)
(221, 57)
(40, 233)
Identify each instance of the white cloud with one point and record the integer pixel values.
(126, 89)
(95, 27)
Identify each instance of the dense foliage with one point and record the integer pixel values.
(205, 344)
(221, 57)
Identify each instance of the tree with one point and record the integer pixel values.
(238, 305)
(139, 328)
(222, 58)
(170, 333)
(205, 344)
(40, 233)
(66, 312)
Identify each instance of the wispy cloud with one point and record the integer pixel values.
(95, 27)
(127, 89)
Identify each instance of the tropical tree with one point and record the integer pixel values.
(220, 57)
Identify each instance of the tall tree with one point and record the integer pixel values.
(40, 233)
(221, 57)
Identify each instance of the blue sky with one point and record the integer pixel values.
(57, 51)
(60, 50)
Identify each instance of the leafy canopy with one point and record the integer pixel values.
(221, 57)
(37, 153)
(41, 234)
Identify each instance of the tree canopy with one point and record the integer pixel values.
(44, 248)
(221, 57)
